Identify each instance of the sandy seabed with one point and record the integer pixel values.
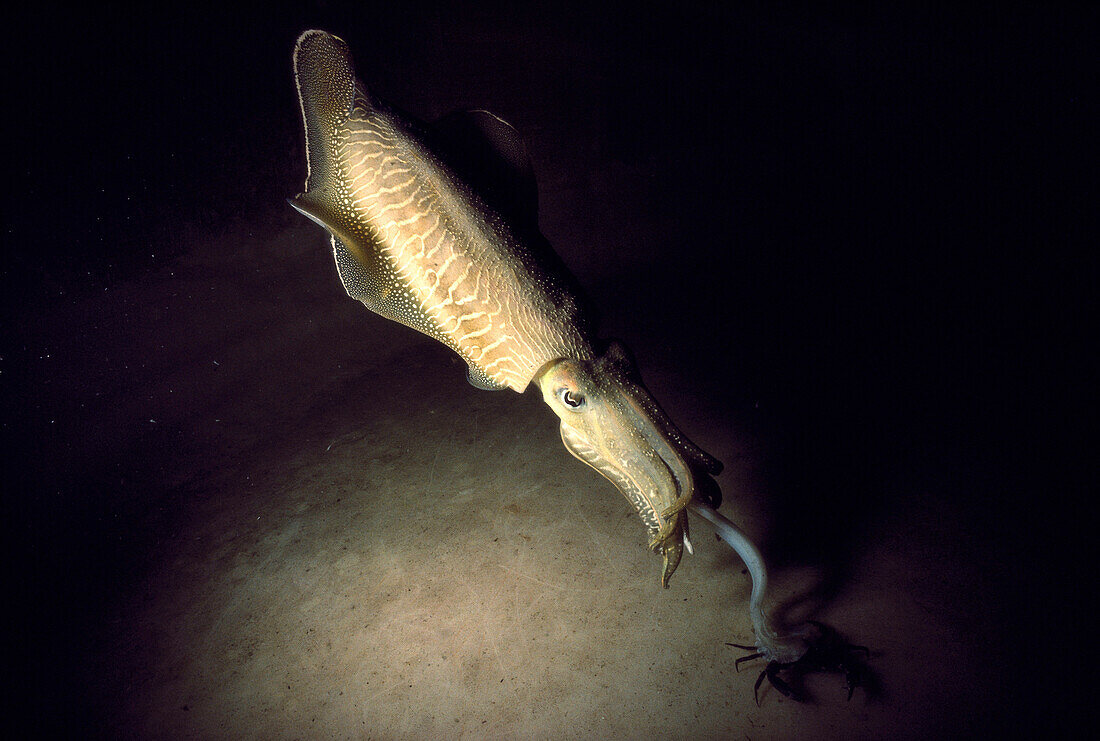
(349, 541)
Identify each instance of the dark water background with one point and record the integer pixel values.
(872, 217)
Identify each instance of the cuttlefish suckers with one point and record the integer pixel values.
(422, 239)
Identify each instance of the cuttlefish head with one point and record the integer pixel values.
(610, 421)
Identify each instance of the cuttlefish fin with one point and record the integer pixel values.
(479, 380)
(327, 93)
(315, 208)
(489, 155)
(327, 89)
(372, 281)
(363, 282)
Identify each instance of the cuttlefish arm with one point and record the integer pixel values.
(415, 242)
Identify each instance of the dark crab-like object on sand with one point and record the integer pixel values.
(826, 651)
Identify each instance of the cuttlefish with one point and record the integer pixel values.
(416, 243)
(449, 246)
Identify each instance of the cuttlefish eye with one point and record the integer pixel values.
(571, 399)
